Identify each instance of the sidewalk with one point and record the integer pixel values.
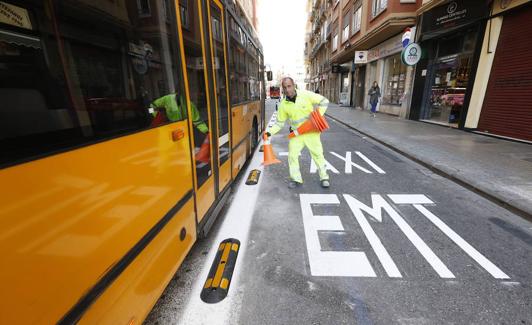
(498, 169)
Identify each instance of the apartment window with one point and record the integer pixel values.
(357, 18)
(378, 6)
(345, 33)
(345, 30)
(144, 8)
(335, 42)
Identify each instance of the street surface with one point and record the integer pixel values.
(390, 242)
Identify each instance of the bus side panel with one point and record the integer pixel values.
(239, 158)
(67, 219)
(240, 123)
(132, 296)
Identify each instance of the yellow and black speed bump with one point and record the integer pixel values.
(216, 287)
(261, 149)
(253, 177)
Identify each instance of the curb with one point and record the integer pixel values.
(499, 201)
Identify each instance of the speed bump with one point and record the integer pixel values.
(253, 177)
(217, 284)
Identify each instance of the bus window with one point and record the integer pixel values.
(197, 86)
(88, 77)
(221, 88)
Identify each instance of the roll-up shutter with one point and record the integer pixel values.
(507, 108)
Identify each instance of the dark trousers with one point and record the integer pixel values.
(373, 107)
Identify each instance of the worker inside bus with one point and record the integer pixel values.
(172, 107)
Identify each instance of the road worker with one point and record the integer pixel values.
(296, 108)
(175, 108)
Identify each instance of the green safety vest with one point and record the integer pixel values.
(178, 112)
(297, 113)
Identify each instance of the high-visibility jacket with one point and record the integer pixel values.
(297, 113)
(177, 111)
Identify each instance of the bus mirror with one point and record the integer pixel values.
(269, 76)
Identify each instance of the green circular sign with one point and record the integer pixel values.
(411, 54)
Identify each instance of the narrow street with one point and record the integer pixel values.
(390, 242)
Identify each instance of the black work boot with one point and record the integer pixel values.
(293, 184)
(325, 183)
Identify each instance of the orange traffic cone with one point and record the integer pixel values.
(316, 123)
(204, 154)
(269, 155)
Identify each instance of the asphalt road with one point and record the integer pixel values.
(389, 243)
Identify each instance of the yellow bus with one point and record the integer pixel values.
(123, 125)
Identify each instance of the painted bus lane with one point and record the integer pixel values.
(389, 242)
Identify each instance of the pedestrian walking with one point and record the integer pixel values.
(296, 108)
(374, 95)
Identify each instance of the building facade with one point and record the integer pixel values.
(475, 67)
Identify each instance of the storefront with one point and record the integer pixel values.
(393, 77)
(451, 40)
(507, 107)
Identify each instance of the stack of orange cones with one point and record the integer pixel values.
(269, 155)
(316, 123)
(204, 154)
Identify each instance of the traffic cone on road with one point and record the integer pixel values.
(204, 154)
(316, 123)
(269, 155)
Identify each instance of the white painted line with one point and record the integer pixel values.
(349, 164)
(385, 258)
(328, 166)
(371, 163)
(235, 225)
(410, 199)
(470, 250)
(329, 263)
(425, 250)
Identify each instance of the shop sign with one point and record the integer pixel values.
(411, 54)
(454, 13)
(390, 47)
(14, 15)
(361, 57)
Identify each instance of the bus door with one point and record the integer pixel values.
(217, 44)
(203, 127)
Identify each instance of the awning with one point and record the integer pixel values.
(20, 39)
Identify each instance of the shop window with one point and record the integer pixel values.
(394, 81)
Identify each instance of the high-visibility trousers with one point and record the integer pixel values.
(313, 143)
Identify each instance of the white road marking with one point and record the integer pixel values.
(236, 225)
(329, 263)
(328, 166)
(381, 252)
(371, 163)
(426, 252)
(465, 246)
(349, 164)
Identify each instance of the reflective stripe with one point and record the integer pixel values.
(295, 132)
(292, 122)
